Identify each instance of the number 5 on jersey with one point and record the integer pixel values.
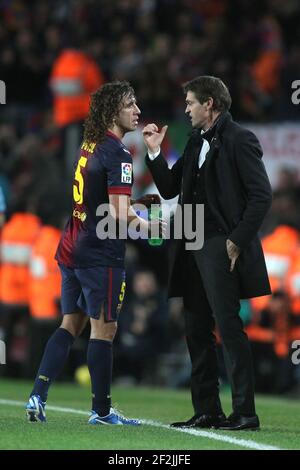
(122, 293)
(78, 190)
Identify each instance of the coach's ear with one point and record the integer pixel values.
(208, 104)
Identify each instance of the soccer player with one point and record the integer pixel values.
(92, 269)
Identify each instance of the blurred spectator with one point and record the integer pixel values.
(2, 213)
(2, 220)
(285, 209)
(74, 77)
(128, 59)
(44, 291)
(271, 335)
(29, 166)
(18, 235)
(142, 330)
(266, 68)
(175, 365)
(279, 249)
(287, 178)
(292, 286)
(8, 143)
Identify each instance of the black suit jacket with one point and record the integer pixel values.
(238, 192)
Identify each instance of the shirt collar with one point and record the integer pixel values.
(114, 136)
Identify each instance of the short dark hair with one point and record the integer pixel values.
(206, 87)
(106, 103)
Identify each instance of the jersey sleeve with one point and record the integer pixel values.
(119, 173)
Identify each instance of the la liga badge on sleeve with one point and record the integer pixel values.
(126, 172)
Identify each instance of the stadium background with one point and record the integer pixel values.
(156, 45)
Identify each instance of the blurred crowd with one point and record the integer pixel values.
(53, 54)
(157, 45)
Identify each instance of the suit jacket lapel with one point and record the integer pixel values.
(191, 162)
(209, 167)
(211, 154)
(216, 140)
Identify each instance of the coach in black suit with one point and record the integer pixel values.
(222, 168)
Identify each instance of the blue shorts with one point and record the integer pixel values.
(89, 289)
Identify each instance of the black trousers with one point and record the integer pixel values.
(211, 295)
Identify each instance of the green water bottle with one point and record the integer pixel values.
(155, 213)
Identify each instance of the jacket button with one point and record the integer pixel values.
(195, 193)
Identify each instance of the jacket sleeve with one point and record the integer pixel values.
(258, 191)
(168, 181)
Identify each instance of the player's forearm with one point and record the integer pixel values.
(124, 213)
(132, 220)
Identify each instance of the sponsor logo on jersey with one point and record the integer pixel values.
(79, 215)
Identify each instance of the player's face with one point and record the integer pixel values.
(198, 113)
(128, 117)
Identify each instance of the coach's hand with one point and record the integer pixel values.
(147, 200)
(233, 252)
(153, 138)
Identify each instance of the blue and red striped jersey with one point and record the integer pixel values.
(101, 169)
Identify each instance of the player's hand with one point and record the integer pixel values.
(233, 252)
(157, 226)
(153, 137)
(147, 200)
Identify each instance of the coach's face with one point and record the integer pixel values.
(199, 114)
(128, 117)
